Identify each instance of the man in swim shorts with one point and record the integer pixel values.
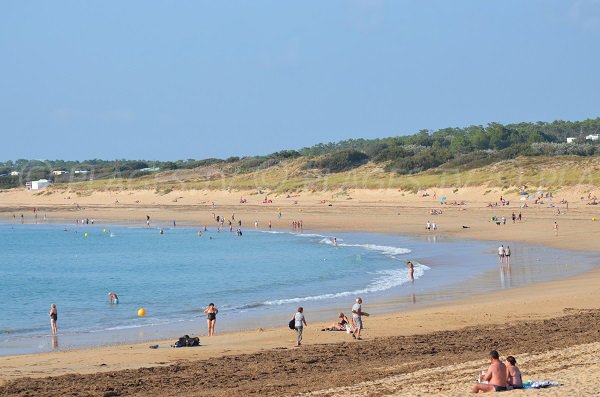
(496, 376)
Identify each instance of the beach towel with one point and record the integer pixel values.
(540, 385)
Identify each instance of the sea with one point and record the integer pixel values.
(256, 280)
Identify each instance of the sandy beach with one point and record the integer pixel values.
(439, 349)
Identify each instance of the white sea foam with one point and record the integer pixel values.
(392, 252)
(384, 280)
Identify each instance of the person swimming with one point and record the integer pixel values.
(113, 298)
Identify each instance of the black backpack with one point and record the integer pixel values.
(292, 324)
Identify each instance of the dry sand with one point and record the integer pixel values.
(386, 211)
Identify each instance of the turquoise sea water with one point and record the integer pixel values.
(255, 280)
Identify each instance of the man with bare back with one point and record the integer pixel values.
(495, 376)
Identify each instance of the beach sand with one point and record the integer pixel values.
(263, 362)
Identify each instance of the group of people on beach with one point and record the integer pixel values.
(499, 376)
(353, 326)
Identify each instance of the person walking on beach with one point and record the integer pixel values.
(507, 255)
(496, 376)
(53, 318)
(501, 254)
(357, 314)
(211, 318)
(299, 324)
(555, 227)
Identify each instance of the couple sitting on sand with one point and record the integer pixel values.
(499, 377)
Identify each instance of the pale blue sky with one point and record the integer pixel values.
(195, 79)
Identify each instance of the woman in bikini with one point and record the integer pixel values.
(342, 324)
(515, 380)
(53, 317)
(211, 318)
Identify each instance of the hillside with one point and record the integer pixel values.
(507, 155)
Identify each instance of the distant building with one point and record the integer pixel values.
(571, 140)
(81, 171)
(37, 185)
(59, 172)
(14, 173)
(150, 169)
(592, 137)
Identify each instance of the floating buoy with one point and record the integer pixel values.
(85, 234)
(141, 312)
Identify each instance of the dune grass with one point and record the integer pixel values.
(546, 172)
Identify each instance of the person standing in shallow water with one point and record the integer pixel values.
(211, 318)
(411, 271)
(53, 318)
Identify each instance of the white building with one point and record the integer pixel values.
(14, 173)
(571, 140)
(37, 185)
(81, 171)
(592, 137)
(59, 172)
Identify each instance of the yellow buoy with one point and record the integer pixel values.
(593, 219)
(141, 312)
(85, 235)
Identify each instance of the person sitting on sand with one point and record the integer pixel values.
(496, 376)
(513, 373)
(342, 324)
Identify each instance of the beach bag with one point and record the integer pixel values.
(292, 324)
(187, 341)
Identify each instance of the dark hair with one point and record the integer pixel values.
(211, 304)
(300, 309)
(511, 360)
(494, 354)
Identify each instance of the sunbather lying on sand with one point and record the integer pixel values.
(342, 324)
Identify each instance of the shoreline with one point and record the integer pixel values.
(382, 303)
(543, 300)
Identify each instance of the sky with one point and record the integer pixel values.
(161, 80)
